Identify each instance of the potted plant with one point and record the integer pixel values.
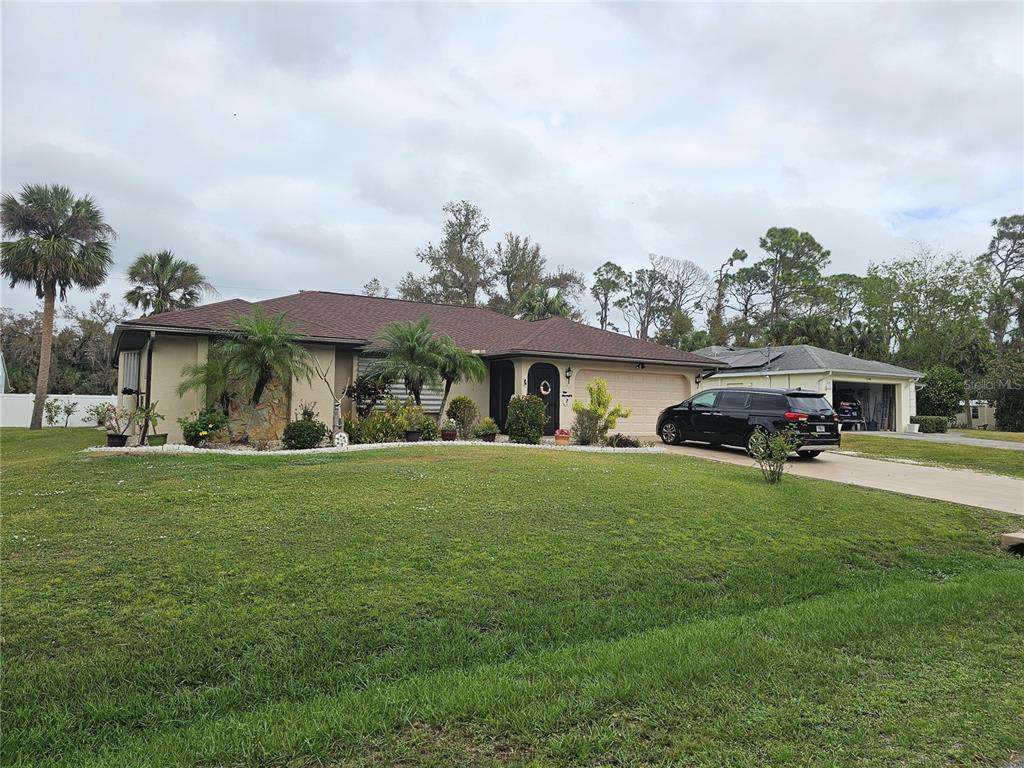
(148, 417)
(413, 433)
(561, 437)
(118, 422)
(487, 429)
(449, 430)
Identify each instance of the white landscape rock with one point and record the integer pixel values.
(175, 449)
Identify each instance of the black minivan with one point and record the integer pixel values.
(742, 416)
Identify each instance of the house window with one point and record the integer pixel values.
(975, 414)
(130, 370)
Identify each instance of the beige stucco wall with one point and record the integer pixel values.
(313, 390)
(905, 401)
(170, 355)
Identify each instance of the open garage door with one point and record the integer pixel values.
(877, 401)
(645, 394)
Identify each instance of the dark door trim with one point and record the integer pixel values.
(542, 374)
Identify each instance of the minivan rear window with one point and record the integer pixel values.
(763, 401)
(809, 404)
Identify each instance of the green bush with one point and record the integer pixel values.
(586, 427)
(527, 416)
(305, 432)
(772, 451)
(941, 392)
(201, 427)
(366, 392)
(599, 410)
(389, 424)
(487, 426)
(465, 413)
(931, 424)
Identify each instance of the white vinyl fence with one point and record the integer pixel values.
(16, 410)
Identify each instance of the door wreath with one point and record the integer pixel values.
(545, 388)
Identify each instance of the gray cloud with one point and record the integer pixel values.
(299, 145)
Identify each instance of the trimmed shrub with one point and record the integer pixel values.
(772, 453)
(389, 424)
(307, 431)
(586, 427)
(464, 411)
(201, 427)
(931, 423)
(527, 416)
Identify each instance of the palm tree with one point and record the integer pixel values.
(412, 355)
(456, 364)
(61, 242)
(211, 378)
(162, 283)
(540, 303)
(261, 348)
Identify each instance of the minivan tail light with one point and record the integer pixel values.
(790, 416)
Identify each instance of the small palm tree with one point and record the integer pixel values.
(58, 241)
(456, 365)
(259, 349)
(162, 283)
(211, 378)
(412, 356)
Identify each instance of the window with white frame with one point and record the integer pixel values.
(130, 370)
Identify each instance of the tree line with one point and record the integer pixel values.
(920, 310)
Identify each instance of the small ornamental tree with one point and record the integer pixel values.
(941, 393)
(600, 410)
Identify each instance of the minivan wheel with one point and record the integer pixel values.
(808, 454)
(757, 442)
(669, 433)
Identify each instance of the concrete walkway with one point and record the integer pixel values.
(946, 437)
(1004, 494)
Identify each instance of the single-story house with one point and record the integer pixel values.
(554, 358)
(887, 393)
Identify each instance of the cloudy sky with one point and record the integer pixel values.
(312, 145)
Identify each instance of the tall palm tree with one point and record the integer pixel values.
(57, 241)
(162, 283)
(457, 364)
(412, 356)
(540, 303)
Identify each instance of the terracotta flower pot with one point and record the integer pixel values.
(115, 440)
(561, 439)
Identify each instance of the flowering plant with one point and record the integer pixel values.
(449, 425)
(561, 433)
(203, 426)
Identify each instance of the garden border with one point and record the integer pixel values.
(178, 449)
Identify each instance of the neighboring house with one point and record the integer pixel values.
(887, 393)
(979, 414)
(554, 358)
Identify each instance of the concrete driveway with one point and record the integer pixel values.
(1005, 494)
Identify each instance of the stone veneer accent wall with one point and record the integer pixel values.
(272, 414)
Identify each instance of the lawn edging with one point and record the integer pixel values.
(177, 449)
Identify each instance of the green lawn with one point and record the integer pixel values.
(480, 606)
(999, 461)
(992, 434)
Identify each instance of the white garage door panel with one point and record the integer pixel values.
(645, 394)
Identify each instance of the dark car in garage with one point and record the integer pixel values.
(742, 416)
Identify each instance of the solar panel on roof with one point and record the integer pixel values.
(750, 359)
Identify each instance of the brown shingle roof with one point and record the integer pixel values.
(356, 319)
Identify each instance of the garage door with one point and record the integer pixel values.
(645, 394)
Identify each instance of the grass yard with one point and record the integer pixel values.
(999, 461)
(485, 607)
(991, 434)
